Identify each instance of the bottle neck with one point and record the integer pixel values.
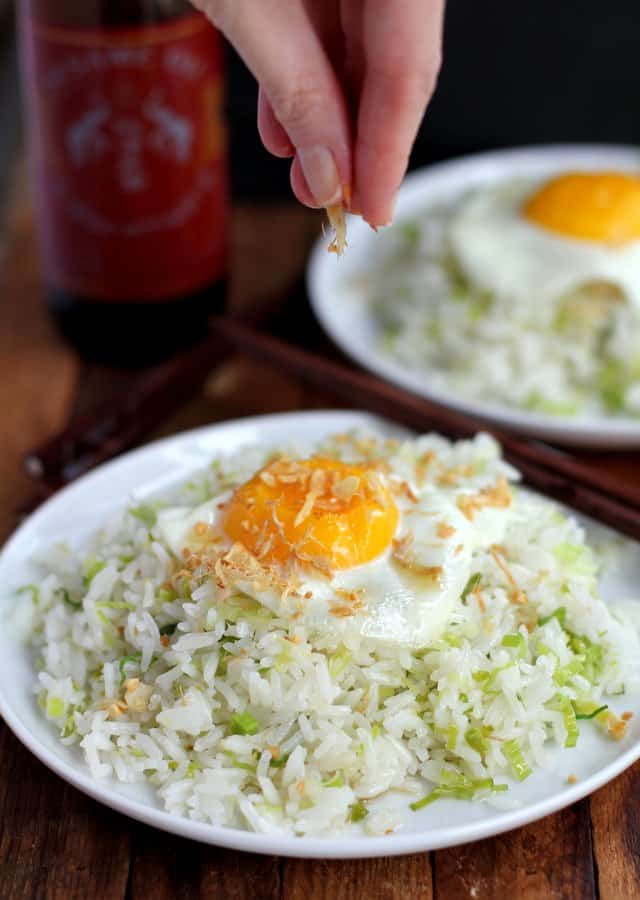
(107, 13)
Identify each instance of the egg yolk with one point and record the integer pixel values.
(592, 206)
(319, 511)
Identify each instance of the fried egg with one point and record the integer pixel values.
(346, 549)
(524, 241)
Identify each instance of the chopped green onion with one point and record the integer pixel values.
(244, 723)
(55, 707)
(248, 767)
(336, 782)
(452, 640)
(517, 642)
(146, 514)
(91, 568)
(560, 614)
(458, 787)
(576, 558)
(116, 604)
(410, 231)
(32, 589)
(592, 654)
(66, 597)
(476, 740)
(564, 674)
(452, 737)
(125, 661)
(471, 585)
(564, 705)
(520, 767)
(588, 711)
(358, 811)
(339, 661)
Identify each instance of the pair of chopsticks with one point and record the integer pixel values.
(549, 471)
(123, 421)
(123, 424)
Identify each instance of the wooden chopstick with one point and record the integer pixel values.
(549, 471)
(124, 421)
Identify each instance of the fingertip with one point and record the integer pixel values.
(299, 185)
(272, 134)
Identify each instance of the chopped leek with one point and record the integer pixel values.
(588, 710)
(91, 568)
(452, 737)
(576, 558)
(517, 642)
(560, 614)
(476, 740)
(125, 661)
(55, 707)
(145, 514)
(248, 767)
(358, 811)
(519, 766)
(66, 597)
(30, 589)
(471, 585)
(244, 723)
(564, 705)
(458, 787)
(336, 782)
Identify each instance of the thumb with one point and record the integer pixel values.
(280, 46)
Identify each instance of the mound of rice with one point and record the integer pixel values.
(242, 719)
(575, 357)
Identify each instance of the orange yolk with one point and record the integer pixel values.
(591, 206)
(320, 511)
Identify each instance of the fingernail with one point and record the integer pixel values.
(321, 174)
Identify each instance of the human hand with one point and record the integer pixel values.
(343, 88)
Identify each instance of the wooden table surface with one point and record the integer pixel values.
(57, 843)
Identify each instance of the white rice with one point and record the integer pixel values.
(542, 357)
(336, 725)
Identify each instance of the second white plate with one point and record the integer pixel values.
(345, 313)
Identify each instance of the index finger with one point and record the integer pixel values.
(402, 44)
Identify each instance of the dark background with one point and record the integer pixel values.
(515, 72)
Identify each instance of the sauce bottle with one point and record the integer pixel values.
(124, 103)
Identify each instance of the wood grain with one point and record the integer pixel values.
(398, 878)
(55, 843)
(168, 868)
(615, 816)
(551, 859)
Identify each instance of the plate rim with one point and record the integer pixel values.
(610, 433)
(360, 847)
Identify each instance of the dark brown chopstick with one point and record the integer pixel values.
(549, 471)
(124, 421)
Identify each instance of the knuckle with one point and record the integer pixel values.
(296, 106)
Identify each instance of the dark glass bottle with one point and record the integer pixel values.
(128, 153)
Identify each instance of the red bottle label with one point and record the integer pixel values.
(129, 156)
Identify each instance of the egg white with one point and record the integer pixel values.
(500, 250)
(400, 608)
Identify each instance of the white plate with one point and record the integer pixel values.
(80, 508)
(345, 314)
